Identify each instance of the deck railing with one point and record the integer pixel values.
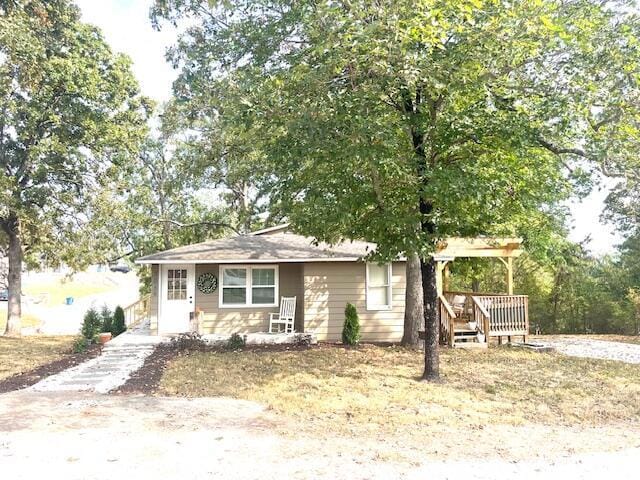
(508, 314)
(137, 311)
(497, 315)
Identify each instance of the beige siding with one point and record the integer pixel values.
(328, 286)
(153, 307)
(246, 320)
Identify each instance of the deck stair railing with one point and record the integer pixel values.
(137, 311)
(481, 316)
(447, 321)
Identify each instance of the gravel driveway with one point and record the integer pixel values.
(589, 348)
(86, 436)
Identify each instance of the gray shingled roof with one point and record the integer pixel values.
(277, 247)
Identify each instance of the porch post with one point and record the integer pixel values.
(445, 280)
(439, 268)
(510, 275)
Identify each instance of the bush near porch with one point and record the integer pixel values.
(373, 390)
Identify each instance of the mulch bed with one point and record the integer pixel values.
(26, 379)
(147, 379)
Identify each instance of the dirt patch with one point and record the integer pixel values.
(204, 438)
(26, 379)
(632, 339)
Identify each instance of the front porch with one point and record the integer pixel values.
(471, 319)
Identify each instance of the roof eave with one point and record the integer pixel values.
(151, 261)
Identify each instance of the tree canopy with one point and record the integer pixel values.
(70, 116)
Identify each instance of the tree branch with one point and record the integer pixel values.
(563, 150)
(197, 224)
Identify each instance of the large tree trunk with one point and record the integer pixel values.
(14, 281)
(413, 311)
(431, 320)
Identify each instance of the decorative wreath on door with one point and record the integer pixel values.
(207, 283)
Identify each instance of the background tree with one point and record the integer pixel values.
(4, 267)
(162, 201)
(466, 118)
(70, 116)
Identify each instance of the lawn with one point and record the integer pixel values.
(19, 355)
(54, 291)
(374, 391)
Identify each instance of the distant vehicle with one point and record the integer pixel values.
(4, 295)
(120, 268)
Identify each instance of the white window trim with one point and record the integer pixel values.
(371, 307)
(249, 286)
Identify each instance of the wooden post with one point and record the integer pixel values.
(446, 279)
(510, 275)
(439, 269)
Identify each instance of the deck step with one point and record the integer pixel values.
(480, 345)
(465, 331)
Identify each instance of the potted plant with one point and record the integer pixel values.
(107, 325)
(104, 337)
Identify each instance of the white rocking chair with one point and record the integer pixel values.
(285, 318)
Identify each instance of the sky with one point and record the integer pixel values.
(126, 26)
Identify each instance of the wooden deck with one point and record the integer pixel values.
(470, 319)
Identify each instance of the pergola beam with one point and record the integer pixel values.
(479, 247)
(504, 249)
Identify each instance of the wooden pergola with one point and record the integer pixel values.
(504, 249)
(468, 319)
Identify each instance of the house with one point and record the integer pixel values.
(231, 285)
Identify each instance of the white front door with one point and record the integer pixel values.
(177, 290)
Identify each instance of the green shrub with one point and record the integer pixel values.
(107, 319)
(118, 322)
(80, 345)
(91, 325)
(236, 342)
(351, 327)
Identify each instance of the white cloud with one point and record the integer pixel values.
(586, 220)
(127, 28)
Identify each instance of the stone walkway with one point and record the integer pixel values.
(119, 359)
(602, 349)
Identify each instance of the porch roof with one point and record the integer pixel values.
(275, 247)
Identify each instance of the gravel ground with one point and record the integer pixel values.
(87, 436)
(602, 349)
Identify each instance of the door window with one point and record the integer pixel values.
(176, 284)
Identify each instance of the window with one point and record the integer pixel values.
(263, 286)
(248, 286)
(176, 284)
(378, 279)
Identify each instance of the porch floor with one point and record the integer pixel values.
(264, 338)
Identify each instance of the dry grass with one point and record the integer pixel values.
(375, 390)
(27, 319)
(18, 355)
